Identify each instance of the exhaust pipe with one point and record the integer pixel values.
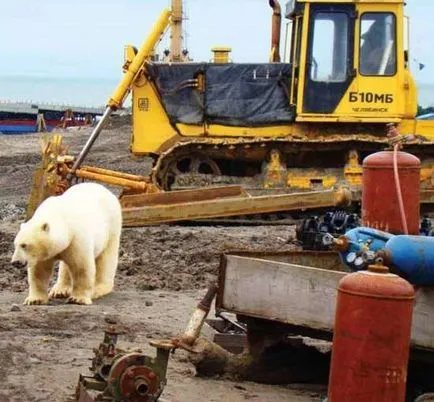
(275, 31)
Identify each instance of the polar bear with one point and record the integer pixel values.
(80, 228)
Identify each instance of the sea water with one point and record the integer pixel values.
(92, 92)
(95, 91)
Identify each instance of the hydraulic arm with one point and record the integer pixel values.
(122, 90)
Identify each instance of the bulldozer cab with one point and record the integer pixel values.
(348, 61)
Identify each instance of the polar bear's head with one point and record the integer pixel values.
(37, 241)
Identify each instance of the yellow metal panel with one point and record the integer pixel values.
(229, 131)
(353, 170)
(410, 109)
(305, 181)
(378, 98)
(303, 56)
(151, 125)
(216, 130)
(424, 128)
(407, 126)
(190, 130)
(382, 98)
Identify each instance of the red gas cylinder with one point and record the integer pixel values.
(380, 205)
(371, 337)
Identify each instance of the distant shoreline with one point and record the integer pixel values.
(77, 91)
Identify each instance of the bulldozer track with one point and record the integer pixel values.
(236, 149)
(233, 149)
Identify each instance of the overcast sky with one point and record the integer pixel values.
(85, 38)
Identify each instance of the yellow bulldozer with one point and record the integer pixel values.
(266, 129)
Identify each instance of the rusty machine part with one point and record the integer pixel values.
(192, 331)
(311, 230)
(276, 23)
(46, 181)
(51, 177)
(365, 367)
(194, 326)
(124, 376)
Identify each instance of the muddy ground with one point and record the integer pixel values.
(163, 271)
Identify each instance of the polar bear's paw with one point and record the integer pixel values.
(101, 290)
(60, 292)
(79, 300)
(35, 300)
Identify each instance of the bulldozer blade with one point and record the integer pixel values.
(176, 197)
(195, 208)
(38, 191)
(45, 181)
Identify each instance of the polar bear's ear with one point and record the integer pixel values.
(45, 227)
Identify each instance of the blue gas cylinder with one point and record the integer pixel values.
(411, 257)
(362, 240)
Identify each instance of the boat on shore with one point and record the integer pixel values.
(22, 118)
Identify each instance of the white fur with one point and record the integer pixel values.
(80, 228)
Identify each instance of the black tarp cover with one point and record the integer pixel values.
(235, 94)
